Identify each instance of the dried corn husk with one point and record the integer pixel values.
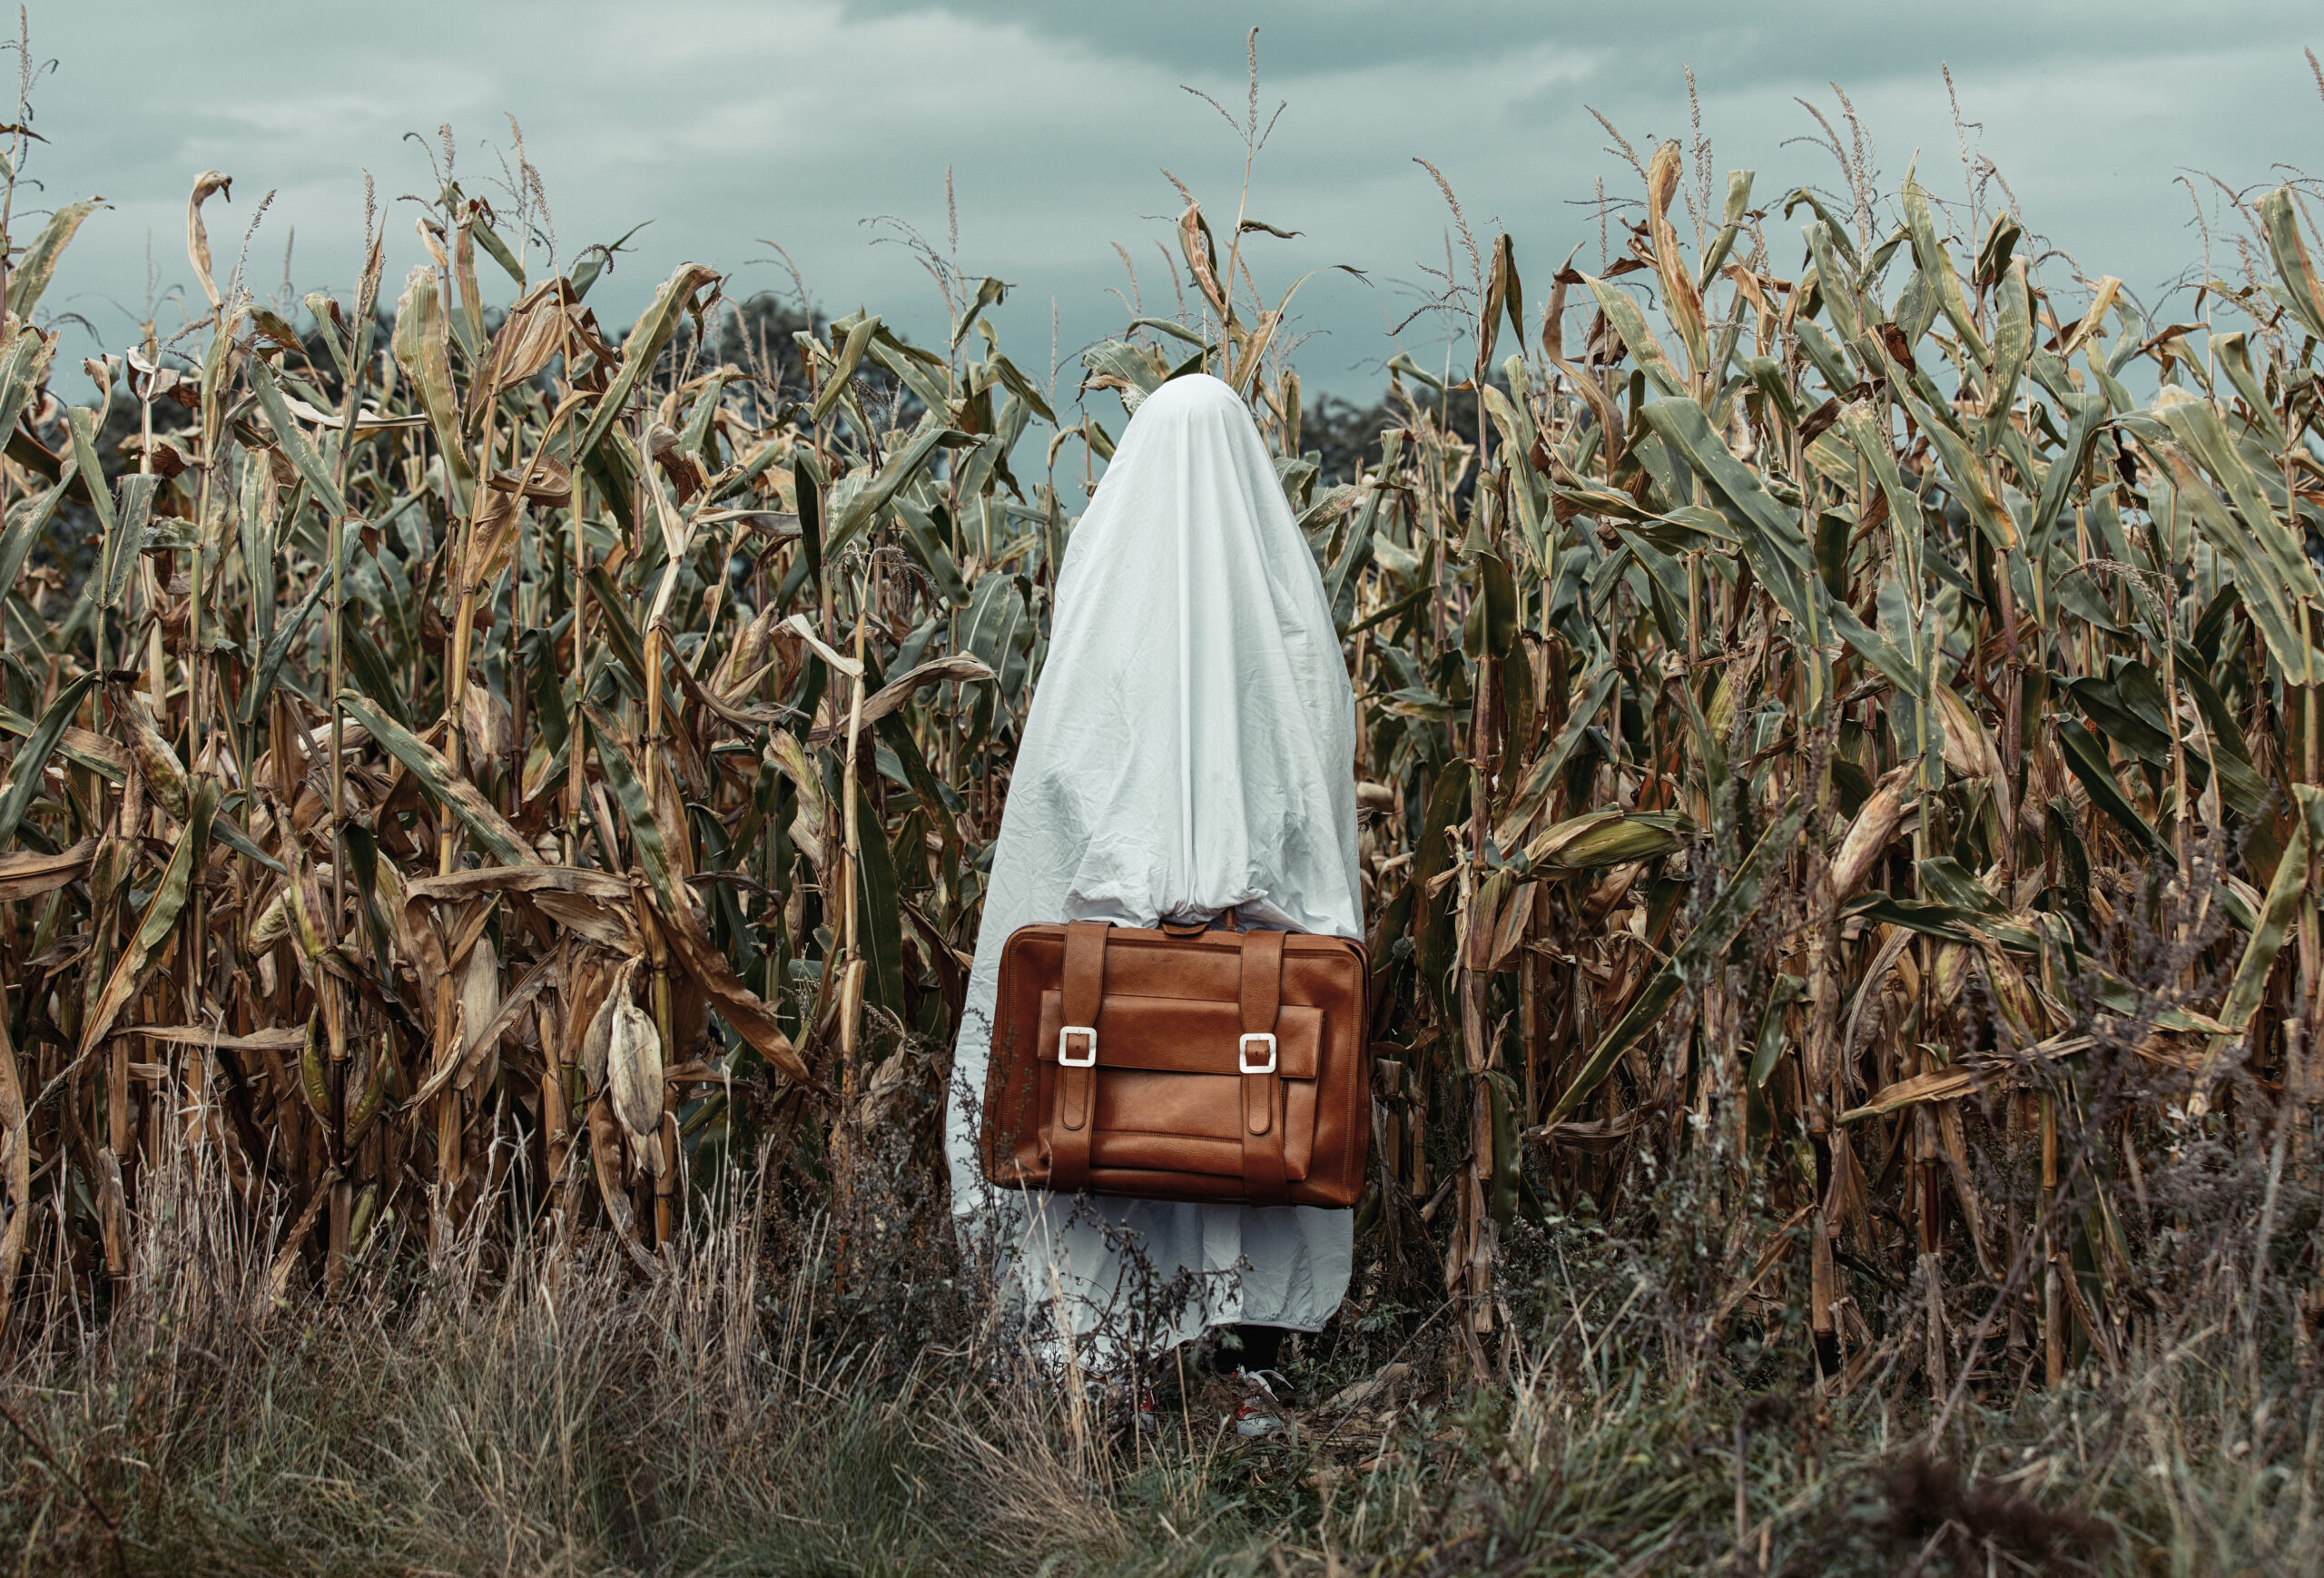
(633, 1069)
(479, 1007)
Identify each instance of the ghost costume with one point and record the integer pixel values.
(1190, 748)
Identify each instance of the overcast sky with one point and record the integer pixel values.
(727, 122)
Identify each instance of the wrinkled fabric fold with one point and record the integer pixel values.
(1189, 749)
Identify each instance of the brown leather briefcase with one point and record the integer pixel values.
(1181, 1064)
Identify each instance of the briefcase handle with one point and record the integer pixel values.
(1182, 930)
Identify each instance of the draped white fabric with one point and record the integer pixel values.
(1190, 747)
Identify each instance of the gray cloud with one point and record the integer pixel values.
(723, 122)
(1773, 42)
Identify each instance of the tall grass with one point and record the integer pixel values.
(555, 1412)
(496, 809)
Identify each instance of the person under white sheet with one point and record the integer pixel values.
(1190, 748)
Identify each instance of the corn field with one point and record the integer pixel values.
(1837, 691)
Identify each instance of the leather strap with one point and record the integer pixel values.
(1261, 993)
(1081, 991)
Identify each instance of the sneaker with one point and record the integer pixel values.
(1258, 1411)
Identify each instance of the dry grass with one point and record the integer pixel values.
(733, 1413)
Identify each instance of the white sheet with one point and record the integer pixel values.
(1190, 746)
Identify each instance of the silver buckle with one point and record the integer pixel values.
(1243, 1052)
(1066, 1060)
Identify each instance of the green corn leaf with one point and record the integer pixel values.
(37, 266)
(852, 350)
(1739, 203)
(1432, 942)
(1946, 881)
(223, 828)
(1645, 349)
(915, 374)
(1491, 623)
(1340, 581)
(369, 667)
(1778, 550)
(1000, 632)
(2089, 416)
(278, 647)
(498, 249)
(2240, 782)
(81, 423)
(30, 519)
(597, 259)
(1767, 374)
(621, 635)
(424, 763)
(1826, 355)
(2233, 353)
(1802, 196)
(294, 439)
(643, 348)
(21, 367)
(924, 541)
(1904, 504)
(1895, 663)
(811, 486)
(1787, 990)
(2280, 220)
(31, 757)
(1840, 302)
(879, 915)
(2276, 919)
(2001, 239)
(2102, 702)
(2013, 341)
(1588, 703)
(421, 343)
(1965, 472)
(1505, 1101)
(645, 841)
(1722, 921)
(1938, 268)
(2086, 756)
(991, 292)
(160, 919)
(902, 465)
(1129, 365)
(2265, 593)
(2197, 425)
(1607, 838)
